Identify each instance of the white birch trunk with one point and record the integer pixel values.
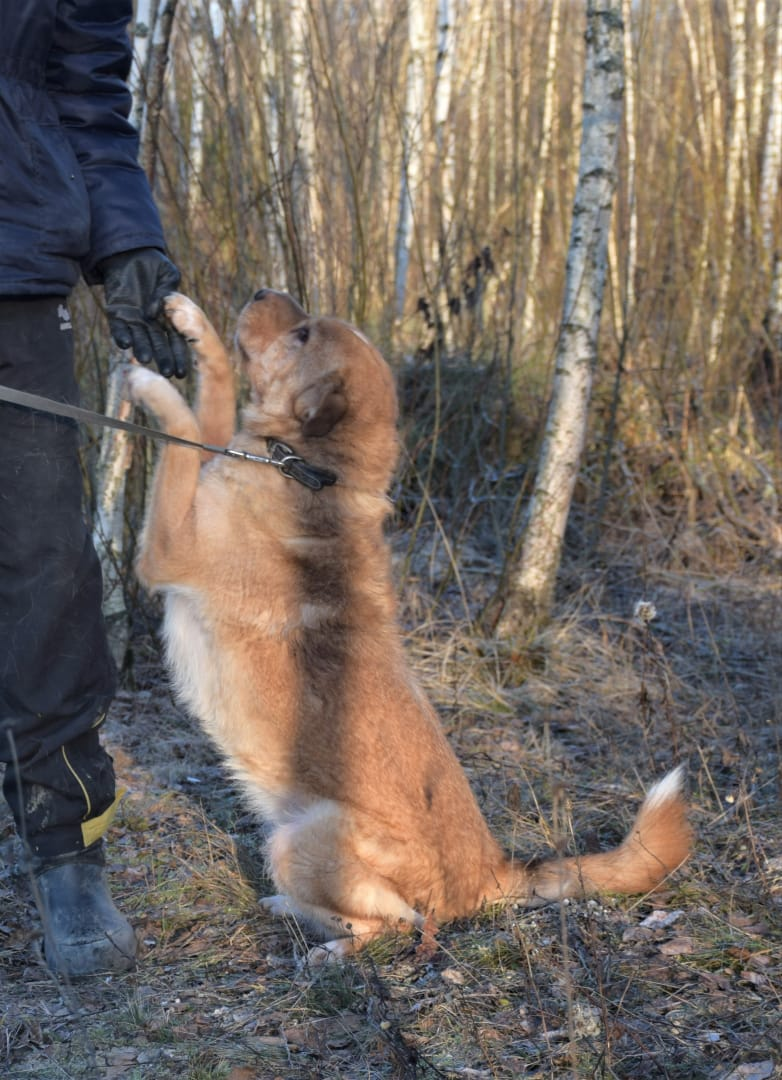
(528, 319)
(478, 31)
(108, 528)
(143, 28)
(195, 157)
(630, 170)
(771, 169)
(712, 92)
(443, 171)
(267, 131)
(532, 586)
(693, 53)
(702, 85)
(735, 169)
(769, 191)
(412, 147)
(491, 83)
(757, 83)
(306, 206)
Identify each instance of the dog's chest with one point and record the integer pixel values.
(191, 655)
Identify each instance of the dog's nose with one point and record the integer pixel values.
(261, 294)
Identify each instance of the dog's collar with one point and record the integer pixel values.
(281, 455)
(290, 464)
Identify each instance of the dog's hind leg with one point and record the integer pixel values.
(352, 933)
(215, 406)
(328, 885)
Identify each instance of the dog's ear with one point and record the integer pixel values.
(321, 406)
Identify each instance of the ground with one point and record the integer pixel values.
(559, 744)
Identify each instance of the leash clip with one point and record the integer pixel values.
(296, 468)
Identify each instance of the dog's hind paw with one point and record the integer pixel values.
(279, 905)
(331, 952)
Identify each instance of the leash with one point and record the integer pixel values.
(281, 456)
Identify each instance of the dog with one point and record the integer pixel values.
(282, 639)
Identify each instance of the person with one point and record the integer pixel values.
(73, 201)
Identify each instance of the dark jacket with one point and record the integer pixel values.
(71, 190)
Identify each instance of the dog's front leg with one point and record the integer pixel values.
(215, 407)
(169, 532)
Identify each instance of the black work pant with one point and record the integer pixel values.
(56, 672)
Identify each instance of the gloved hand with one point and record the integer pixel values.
(135, 283)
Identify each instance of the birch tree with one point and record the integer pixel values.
(196, 45)
(153, 25)
(108, 528)
(528, 603)
(305, 209)
(737, 150)
(544, 153)
(412, 147)
(444, 168)
(769, 191)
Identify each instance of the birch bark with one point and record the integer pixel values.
(304, 205)
(115, 452)
(630, 138)
(478, 30)
(412, 148)
(529, 601)
(757, 79)
(737, 149)
(195, 158)
(544, 153)
(695, 67)
(769, 191)
(443, 255)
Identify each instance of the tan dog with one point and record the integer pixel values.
(282, 639)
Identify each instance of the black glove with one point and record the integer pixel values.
(135, 283)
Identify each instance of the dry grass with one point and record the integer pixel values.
(559, 755)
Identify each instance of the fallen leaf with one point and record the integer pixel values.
(750, 924)
(326, 1033)
(754, 978)
(759, 960)
(739, 953)
(718, 980)
(678, 946)
(637, 933)
(752, 1070)
(259, 1043)
(661, 920)
(122, 1055)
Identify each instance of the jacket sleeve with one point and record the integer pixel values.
(86, 77)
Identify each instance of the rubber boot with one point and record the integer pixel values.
(83, 932)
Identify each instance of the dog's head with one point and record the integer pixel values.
(318, 384)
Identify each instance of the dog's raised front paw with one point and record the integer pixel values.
(186, 317)
(159, 397)
(140, 382)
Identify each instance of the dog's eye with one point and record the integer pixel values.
(303, 334)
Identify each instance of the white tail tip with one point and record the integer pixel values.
(666, 789)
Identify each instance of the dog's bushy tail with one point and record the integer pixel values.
(658, 842)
